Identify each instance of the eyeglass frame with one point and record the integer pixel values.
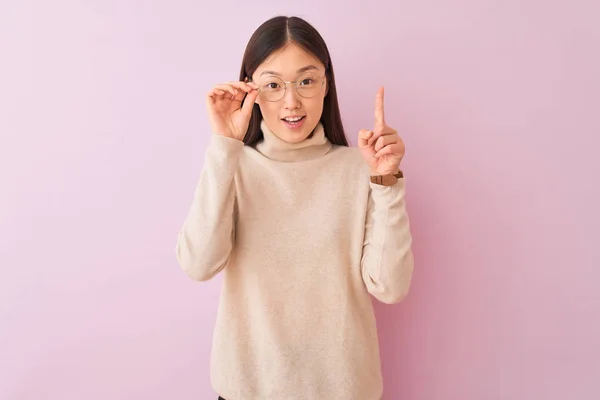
(295, 87)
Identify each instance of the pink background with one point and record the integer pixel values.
(103, 130)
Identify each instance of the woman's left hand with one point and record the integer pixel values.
(381, 147)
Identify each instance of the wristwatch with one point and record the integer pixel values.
(387, 180)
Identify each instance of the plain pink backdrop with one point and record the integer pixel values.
(103, 131)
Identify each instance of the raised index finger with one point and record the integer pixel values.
(379, 118)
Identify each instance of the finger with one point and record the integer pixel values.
(379, 115)
(215, 92)
(239, 97)
(221, 96)
(384, 141)
(228, 88)
(252, 85)
(230, 92)
(248, 102)
(379, 132)
(363, 137)
(245, 86)
(394, 148)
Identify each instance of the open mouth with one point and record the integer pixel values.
(293, 119)
(294, 122)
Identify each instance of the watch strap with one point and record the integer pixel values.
(387, 180)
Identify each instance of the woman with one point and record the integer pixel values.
(304, 228)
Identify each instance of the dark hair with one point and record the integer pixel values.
(274, 35)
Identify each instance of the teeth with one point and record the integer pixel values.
(293, 119)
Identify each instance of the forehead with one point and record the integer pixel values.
(287, 61)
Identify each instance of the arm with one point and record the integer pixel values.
(387, 261)
(206, 238)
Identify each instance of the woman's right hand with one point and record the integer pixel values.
(228, 117)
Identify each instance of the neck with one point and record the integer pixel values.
(275, 148)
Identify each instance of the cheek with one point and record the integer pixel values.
(269, 110)
(315, 108)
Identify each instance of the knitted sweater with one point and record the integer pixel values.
(304, 241)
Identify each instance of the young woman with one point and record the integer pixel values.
(305, 229)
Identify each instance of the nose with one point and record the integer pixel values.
(291, 99)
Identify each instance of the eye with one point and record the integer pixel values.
(271, 85)
(307, 81)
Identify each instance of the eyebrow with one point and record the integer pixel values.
(301, 70)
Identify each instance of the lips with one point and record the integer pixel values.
(293, 118)
(294, 122)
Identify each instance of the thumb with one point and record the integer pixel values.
(363, 138)
(249, 102)
(367, 150)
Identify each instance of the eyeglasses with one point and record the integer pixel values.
(273, 88)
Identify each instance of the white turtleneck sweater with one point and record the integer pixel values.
(303, 239)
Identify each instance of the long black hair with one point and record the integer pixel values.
(273, 35)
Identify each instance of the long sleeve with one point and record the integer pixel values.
(387, 261)
(206, 238)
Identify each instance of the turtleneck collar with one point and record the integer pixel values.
(279, 150)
